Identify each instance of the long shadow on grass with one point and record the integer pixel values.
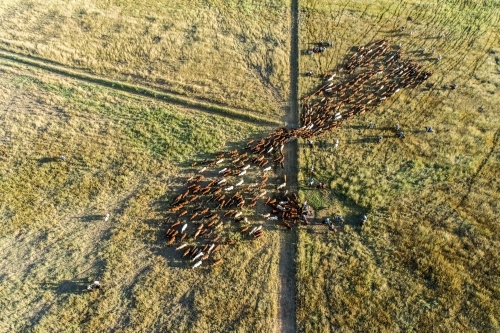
(75, 286)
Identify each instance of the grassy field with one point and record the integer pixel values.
(427, 260)
(124, 156)
(72, 83)
(228, 52)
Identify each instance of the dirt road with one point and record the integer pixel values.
(288, 240)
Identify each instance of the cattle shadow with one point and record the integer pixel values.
(92, 218)
(45, 160)
(179, 185)
(160, 246)
(74, 286)
(366, 139)
(359, 127)
(159, 242)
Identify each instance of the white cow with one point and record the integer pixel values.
(198, 256)
(253, 230)
(181, 247)
(197, 264)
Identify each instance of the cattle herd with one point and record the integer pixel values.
(226, 190)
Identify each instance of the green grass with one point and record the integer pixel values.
(431, 199)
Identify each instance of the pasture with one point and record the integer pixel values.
(131, 93)
(425, 261)
(123, 156)
(217, 51)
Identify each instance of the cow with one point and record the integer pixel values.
(187, 252)
(181, 247)
(217, 262)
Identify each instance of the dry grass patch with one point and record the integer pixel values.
(234, 53)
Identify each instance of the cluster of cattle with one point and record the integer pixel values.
(320, 47)
(216, 196)
(372, 75)
(224, 188)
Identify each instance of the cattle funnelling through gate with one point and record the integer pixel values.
(233, 186)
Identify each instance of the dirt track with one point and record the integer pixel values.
(288, 240)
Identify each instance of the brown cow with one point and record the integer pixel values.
(217, 262)
(186, 252)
